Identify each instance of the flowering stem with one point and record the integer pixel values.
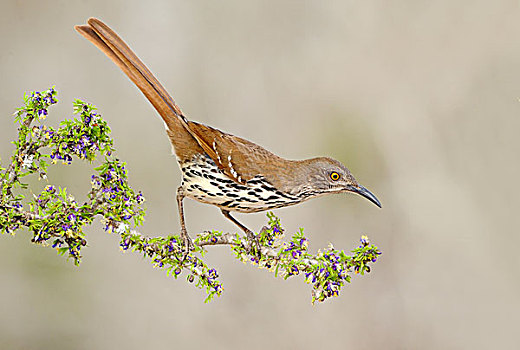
(55, 218)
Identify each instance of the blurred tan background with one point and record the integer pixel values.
(419, 99)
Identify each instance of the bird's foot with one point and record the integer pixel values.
(188, 243)
(253, 242)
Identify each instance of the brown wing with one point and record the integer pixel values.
(241, 159)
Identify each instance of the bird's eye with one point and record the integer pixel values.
(334, 176)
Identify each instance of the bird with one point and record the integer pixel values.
(221, 169)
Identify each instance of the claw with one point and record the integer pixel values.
(253, 241)
(188, 243)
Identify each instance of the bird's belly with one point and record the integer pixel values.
(207, 184)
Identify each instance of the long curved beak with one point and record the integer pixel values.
(362, 191)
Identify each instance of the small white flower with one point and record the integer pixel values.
(27, 161)
(121, 228)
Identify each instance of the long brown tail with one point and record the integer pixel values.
(188, 138)
(118, 51)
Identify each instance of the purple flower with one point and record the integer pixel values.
(312, 277)
(212, 273)
(36, 96)
(125, 244)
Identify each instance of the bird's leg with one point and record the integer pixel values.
(188, 243)
(250, 235)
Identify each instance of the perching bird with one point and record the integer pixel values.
(221, 169)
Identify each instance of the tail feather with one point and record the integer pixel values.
(118, 51)
(188, 138)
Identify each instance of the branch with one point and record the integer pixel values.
(55, 218)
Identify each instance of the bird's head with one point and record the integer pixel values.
(326, 175)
